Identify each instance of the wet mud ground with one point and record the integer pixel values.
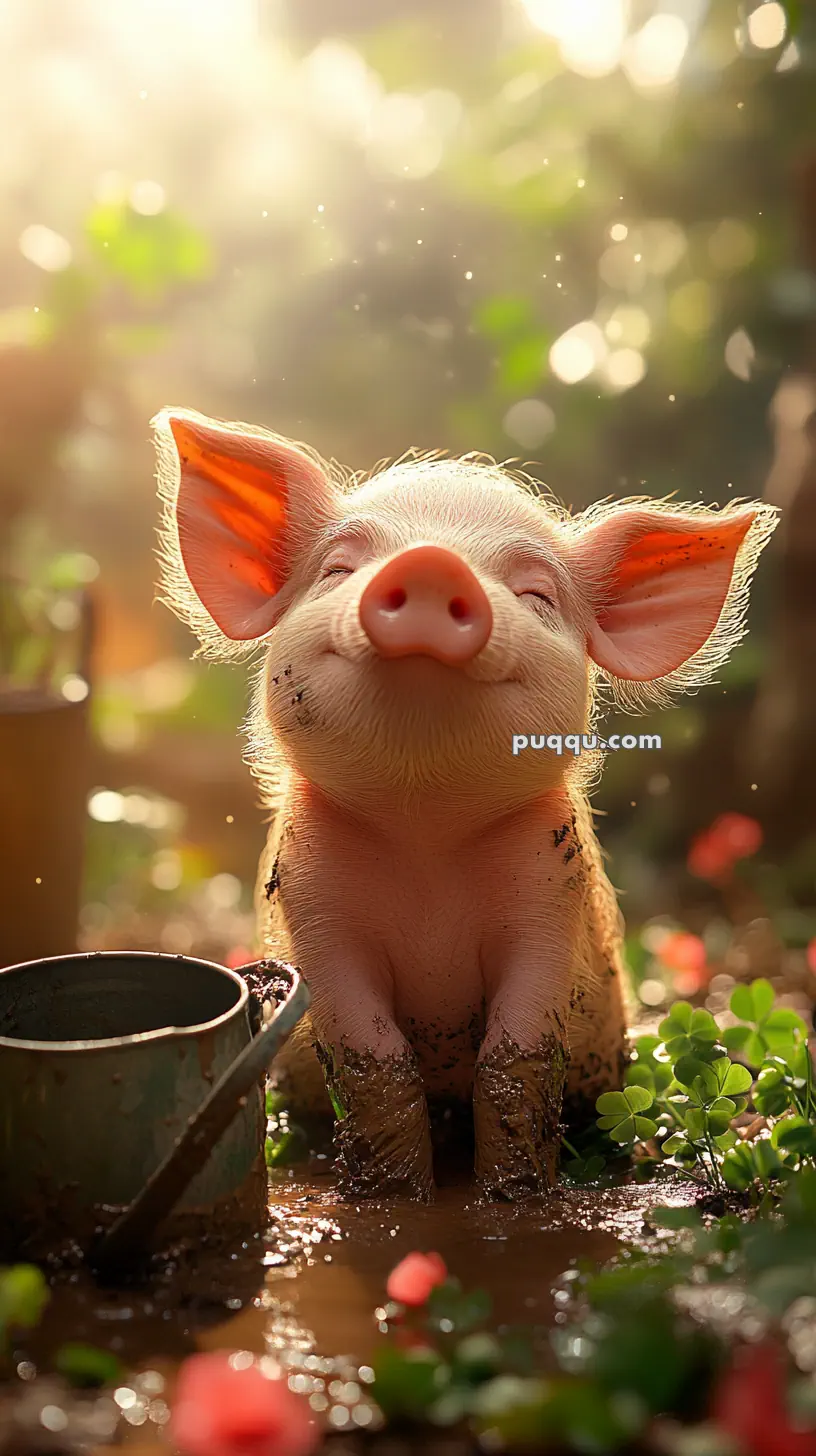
(306, 1292)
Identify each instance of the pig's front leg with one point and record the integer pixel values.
(517, 1098)
(382, 1133)
(522, 1064)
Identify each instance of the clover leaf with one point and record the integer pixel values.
(763, 1029)
(621, 1115)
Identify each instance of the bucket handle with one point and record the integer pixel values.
(126, 1241)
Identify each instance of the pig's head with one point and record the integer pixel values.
(415, 621)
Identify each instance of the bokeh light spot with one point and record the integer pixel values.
(740, 355)
(732, 245)
(629, 325)
(147, 198)
(590, 33)
(654, 55)
(691, 307)
(578, 352)
(623, 369)
(529, 422)
(767, 26)
(45, 248)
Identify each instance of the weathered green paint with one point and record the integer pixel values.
(103, 1059)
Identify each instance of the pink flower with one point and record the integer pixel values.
(715, 852)
(221, 1411)
(708, 859)
(239, 956)
(685, 956)
(412, 1280)
(750, 1405)
(742, 835)
(683, 952)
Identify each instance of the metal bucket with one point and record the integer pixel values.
(109, 1062)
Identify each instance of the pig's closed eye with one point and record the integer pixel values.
(537, 597)
(336, 571)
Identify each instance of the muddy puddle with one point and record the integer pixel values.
(306, 1293)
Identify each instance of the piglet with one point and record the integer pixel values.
(444, 896)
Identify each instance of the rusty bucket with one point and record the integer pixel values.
(130, 1086)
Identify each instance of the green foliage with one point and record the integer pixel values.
(762, 1029)
(23, 1297)
(148, 253)
(626, 1350)
(621, 1115)
(454, 1312)
(86, 1366)
(683, 1093)
(286, 1143)
(407, 1383)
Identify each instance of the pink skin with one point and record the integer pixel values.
(427, 881)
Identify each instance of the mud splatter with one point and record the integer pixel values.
(517, 1111)
(273, 883)
(383, 1137)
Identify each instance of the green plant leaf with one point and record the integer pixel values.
(504, 316)
(737, 1079)
(688, 1069)
(738, 1168)
(706, 1084)
(783, 1019)
(766, 1158)
(448, 1305)
(523, 362)
(797, 1136)
(703, 1026)
(719, 1115)
(23, 1296)
(86, 1366)
(638, 1075)
(664, 1216)
(678, 1021)
(407, 1382)
(742, 1003)
(736, 1037)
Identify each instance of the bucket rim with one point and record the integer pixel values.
(138, 1038)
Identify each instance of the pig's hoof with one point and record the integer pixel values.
(516, 1111)
(373, 1185)
(383, 1137)
(519, 1185)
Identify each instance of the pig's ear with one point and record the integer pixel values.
(668, 587)
(238, 505)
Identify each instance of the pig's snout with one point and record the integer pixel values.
(426, 601)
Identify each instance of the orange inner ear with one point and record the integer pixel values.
(650, 556)
(240, 498)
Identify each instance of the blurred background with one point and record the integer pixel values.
(575, 234)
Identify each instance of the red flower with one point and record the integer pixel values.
(811, 955)
(685, 955)
(683, 952)
(742, 835)
(412, 1280)
(716, 851)
(238, 956)
(750, 1405)
(221, 1411)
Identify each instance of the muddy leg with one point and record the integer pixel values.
(517, 1116)
(382, 1133)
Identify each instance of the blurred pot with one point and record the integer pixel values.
(44, 766)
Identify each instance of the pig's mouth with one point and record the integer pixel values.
(414, 664)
